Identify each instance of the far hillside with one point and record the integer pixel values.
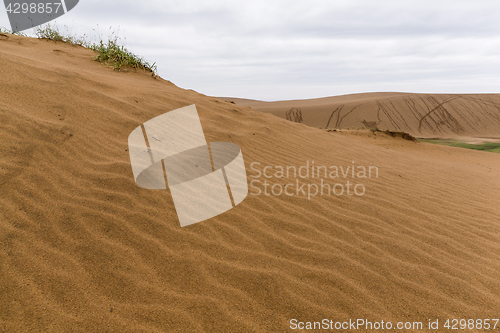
(421, 115)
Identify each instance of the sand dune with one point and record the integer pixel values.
(83, 249)
(422, 115)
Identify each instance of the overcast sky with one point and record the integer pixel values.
(287, 49)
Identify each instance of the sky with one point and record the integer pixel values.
(286, 49)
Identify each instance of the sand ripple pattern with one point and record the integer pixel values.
(83, 249)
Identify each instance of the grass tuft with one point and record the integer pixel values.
(110, 52)
(8, 31)
(119, 57)
(49, 33)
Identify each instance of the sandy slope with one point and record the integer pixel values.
(83, 249)
(422, 115)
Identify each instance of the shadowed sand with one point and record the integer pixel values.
(83, 249)
(421, 115)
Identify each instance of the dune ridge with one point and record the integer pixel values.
(83, 249)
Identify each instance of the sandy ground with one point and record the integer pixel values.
(421, 115)
(83, 249)
(475, 141)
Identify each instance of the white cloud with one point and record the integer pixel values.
(279, 49)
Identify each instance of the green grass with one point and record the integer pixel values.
(119, 57)
(493, 147)
(51, 33)
(7, 31)
(109, 52)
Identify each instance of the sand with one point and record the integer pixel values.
(421, 115)
(83, 249)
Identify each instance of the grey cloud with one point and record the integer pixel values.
(290, 49)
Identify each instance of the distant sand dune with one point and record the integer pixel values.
(83, 249)
(422, 115)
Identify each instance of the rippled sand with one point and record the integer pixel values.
(83, 249)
